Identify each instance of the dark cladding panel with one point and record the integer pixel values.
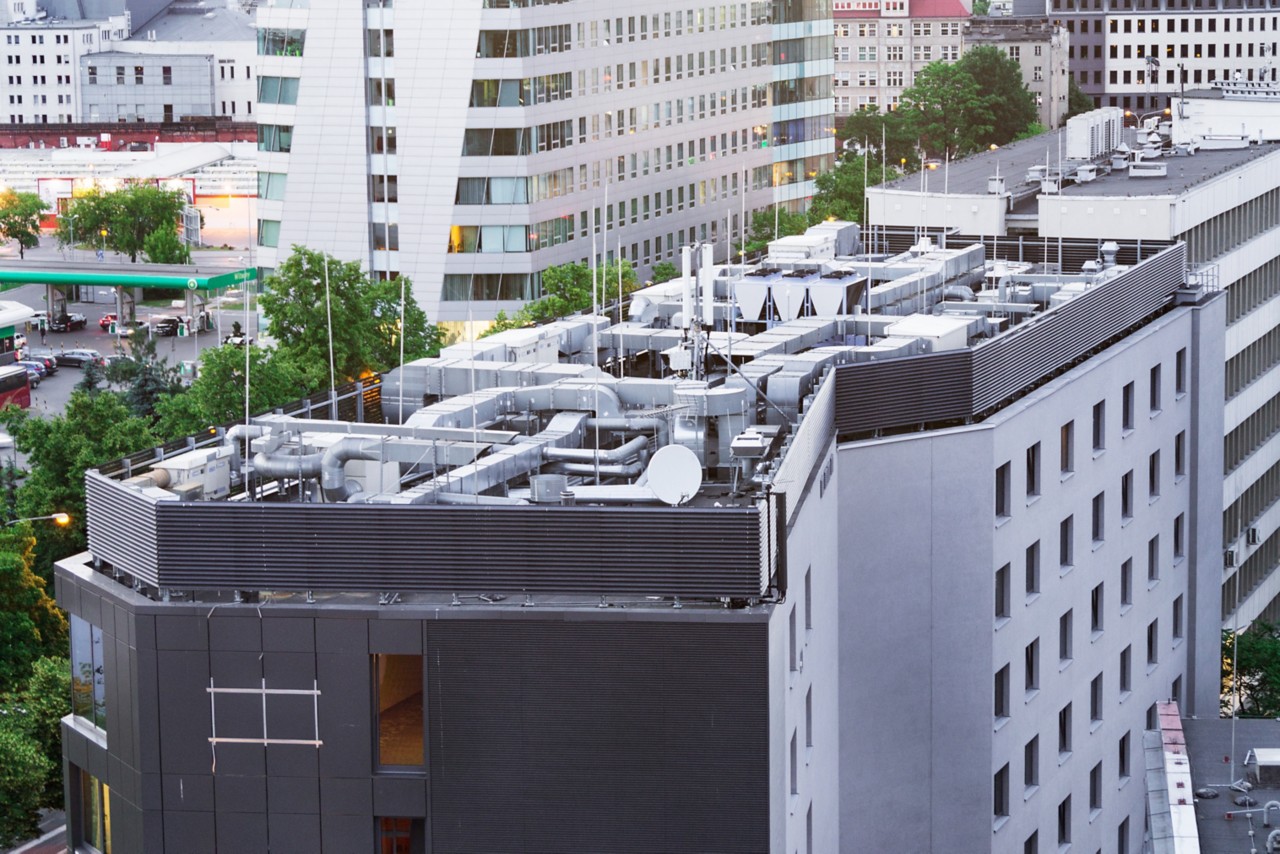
(600, 737)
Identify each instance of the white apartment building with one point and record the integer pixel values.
(42, 82)
(1220, 200)
(514, 136)
(880, 45)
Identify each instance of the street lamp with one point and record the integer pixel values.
(104, 244)
(71, 222)
(59, 519)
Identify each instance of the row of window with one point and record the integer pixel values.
(614, 31)
(58, 38)
(1197, 23)
(1258, 566)
(1261, 495)
(139, 75)
(1251, 434)
(894, 30)
(60, 118)
(41, 80)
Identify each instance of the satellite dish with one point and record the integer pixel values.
(674, 474)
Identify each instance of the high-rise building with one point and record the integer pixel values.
(792, 547)
(471, 146)
(1209, 177)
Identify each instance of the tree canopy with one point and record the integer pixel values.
(20, 219)
(217, 395)
(568, 289)
(841, 191)
(163, 246)
(1257, 664)
(129, 216)
(31, 626)
(1077, 101)
(365, 324)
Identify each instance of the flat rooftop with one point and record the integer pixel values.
(1209, 743)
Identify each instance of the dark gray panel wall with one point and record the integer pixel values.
(598, 737)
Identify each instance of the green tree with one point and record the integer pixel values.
(31, 626)
(41, 704)
(1009, 103)
(217, 395)
(163, 246)
(128, 215)
(568, 289)
(20, 219)
(947, 111)
(1077, 101)
(981, 8)
(841, 190)
(145, 377)
(768, 224)
(24, 772)
(873, 130)
(365, 317)
(1256, 652)
(92, 429)
(664, 271)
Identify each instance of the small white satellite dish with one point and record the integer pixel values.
(674, 474)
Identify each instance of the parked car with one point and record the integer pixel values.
(78, 358)
(32, 375)
(165, 325)
(104, 323)
(133, 327)
(68, 322)
(50, 363)
(38, 367)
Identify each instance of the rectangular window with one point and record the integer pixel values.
(1033, 569)
(794, 645)
(808, 598)
(166, 75)
(1002, 692)
(275, 138)
(88, 677)
(1099, 517)
(268, 232)
(1100, 425)
(1095, 699)
(1033, 470)
(795, 766)
(395, 835)
(137, 75)
(1067, 451)
(277, 90)
(1180, 371)
(1122, 832)
(1153, 475)
(1001, 793)
(1095, 787)
(271, 185)
(1126, 670)
(1031, 763)
(1126, 408)
(1126, 495)
(1003, 485)
(95, 812)
(1179, 537)
(1153, 558)
(1032, 843)
(1155, 389)
(1003, 597)
(1064, 821)
(1180, 454)
(1065, 640)
(1064, 729)
(1066, 544)
(1153, 642)
(398, 699)
(1177, 618)
(1126, 583)
(1123, 751)
(1031, 665)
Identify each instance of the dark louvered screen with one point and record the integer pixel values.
(592, 737)
(663, 551)
(956, 385)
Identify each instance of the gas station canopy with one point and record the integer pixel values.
(178, 277)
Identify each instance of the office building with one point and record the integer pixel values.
(1209, 180)
(788, 548)
(880, 46)
(485, 154)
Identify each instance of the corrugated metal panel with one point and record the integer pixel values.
(578, 736)
(696, 552)
(122, 526)
(961, 384)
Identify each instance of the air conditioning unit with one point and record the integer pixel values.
(1251, 536)
(1229, 558)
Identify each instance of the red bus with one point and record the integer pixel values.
(15, 386)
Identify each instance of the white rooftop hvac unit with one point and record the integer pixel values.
(1094, 134)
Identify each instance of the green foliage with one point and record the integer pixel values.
(24, 772)
(981, 7)
(841, 191)
(1010, 104)
(365, 315)
(217, 395)
(163, 246)
(1257, 653)
(568, 289)
(946, 110)
(92, 429)
(38, 709)
(1077, 101)
(664, 271)
(20, 219)
(129, 215)
(874, 130)
(31, 626)
(146, 377)
(91, 379)
(770, 224)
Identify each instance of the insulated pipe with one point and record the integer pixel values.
(1266, 812)
(634, 425)
(628, 470)
(1273, 841)
(327, 465)
(467, 498)
(638, 445)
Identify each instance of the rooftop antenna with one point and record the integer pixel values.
(328, 313)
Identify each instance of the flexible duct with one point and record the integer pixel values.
(328, 465)
(464, 498)
(1273, 841)
(633, 425)
(614, 470)
(638, 445)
